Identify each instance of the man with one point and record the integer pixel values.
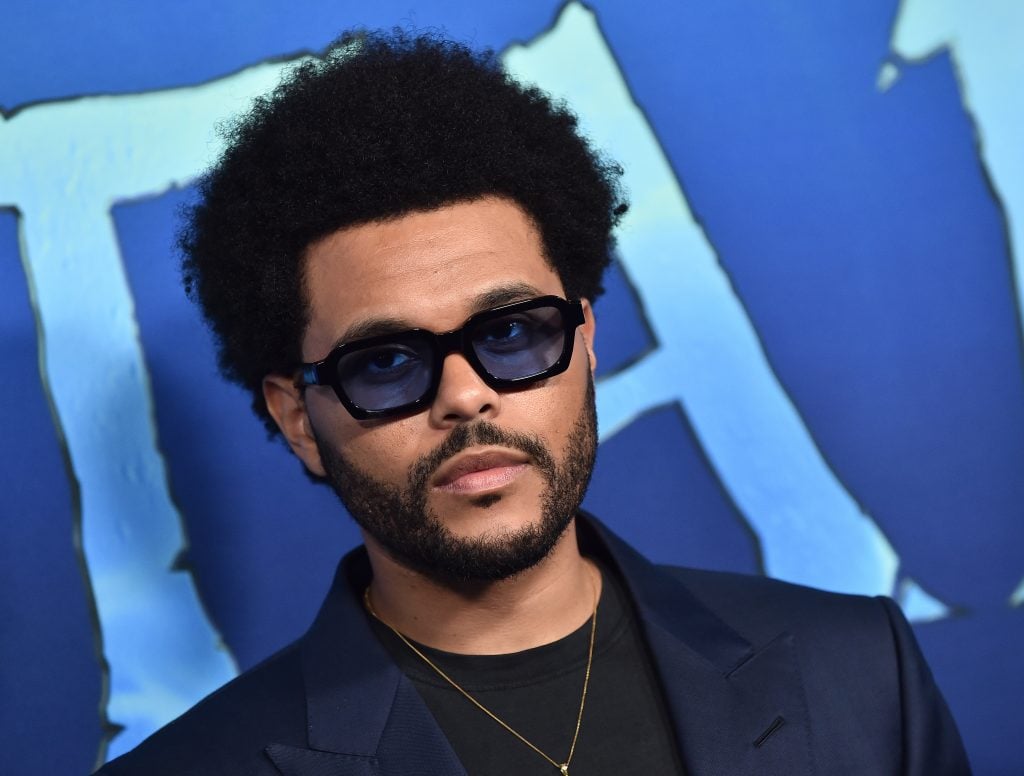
(398, 254)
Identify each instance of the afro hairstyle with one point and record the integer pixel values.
(384, 124)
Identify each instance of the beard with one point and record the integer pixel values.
(400, 521)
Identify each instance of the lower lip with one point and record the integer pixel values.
(483, 480)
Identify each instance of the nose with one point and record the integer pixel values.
(462, 395)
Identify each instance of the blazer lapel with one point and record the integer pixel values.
(752, 720)
(363, 716)
(737, 708)
(411, 743)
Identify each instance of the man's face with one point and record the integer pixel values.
(482, 483)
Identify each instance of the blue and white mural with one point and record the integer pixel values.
(810, 350)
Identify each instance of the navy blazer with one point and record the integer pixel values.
(760, 677)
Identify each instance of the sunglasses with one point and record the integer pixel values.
(509, 346)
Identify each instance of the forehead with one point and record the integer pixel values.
(425, 269)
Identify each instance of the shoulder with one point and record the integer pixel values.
(760, 600)
(760, 608)
(226, 732)
(859, 662)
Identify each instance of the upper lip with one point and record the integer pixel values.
(477, 461)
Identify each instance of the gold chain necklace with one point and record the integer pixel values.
(563, 768)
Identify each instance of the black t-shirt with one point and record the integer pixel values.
(625, 727)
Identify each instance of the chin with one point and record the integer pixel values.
(503, 546)
(491, 516)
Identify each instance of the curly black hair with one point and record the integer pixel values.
(384, 124)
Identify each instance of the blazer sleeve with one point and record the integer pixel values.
(931, 741)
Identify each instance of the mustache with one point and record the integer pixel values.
(481, 432)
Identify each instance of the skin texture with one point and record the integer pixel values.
(433, 270)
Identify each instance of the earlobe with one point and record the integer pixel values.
(588, 329)
(287, 406)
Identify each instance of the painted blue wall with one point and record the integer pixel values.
(810, 350)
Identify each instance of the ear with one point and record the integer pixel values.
(287, 406)
(588, 329)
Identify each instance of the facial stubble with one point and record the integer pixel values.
(402, 523)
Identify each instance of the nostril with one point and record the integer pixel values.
(454, 414)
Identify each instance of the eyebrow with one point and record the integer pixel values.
(505, 294)
(494, 297)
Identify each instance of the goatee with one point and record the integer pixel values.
(400, 521)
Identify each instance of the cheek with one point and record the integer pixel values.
(552, 411)
(379, 450)
(385, 452)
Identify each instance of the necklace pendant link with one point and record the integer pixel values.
(564, 768)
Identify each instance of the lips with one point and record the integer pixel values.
(474, 472)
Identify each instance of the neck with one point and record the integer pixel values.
(537, 606)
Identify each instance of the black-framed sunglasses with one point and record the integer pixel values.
(509, 346)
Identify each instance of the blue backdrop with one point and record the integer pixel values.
(810, 350)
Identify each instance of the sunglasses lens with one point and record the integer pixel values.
(520, 344)
(389, 374)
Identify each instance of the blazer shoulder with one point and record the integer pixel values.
(860, 662)
(750, 601)
(226, 732)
